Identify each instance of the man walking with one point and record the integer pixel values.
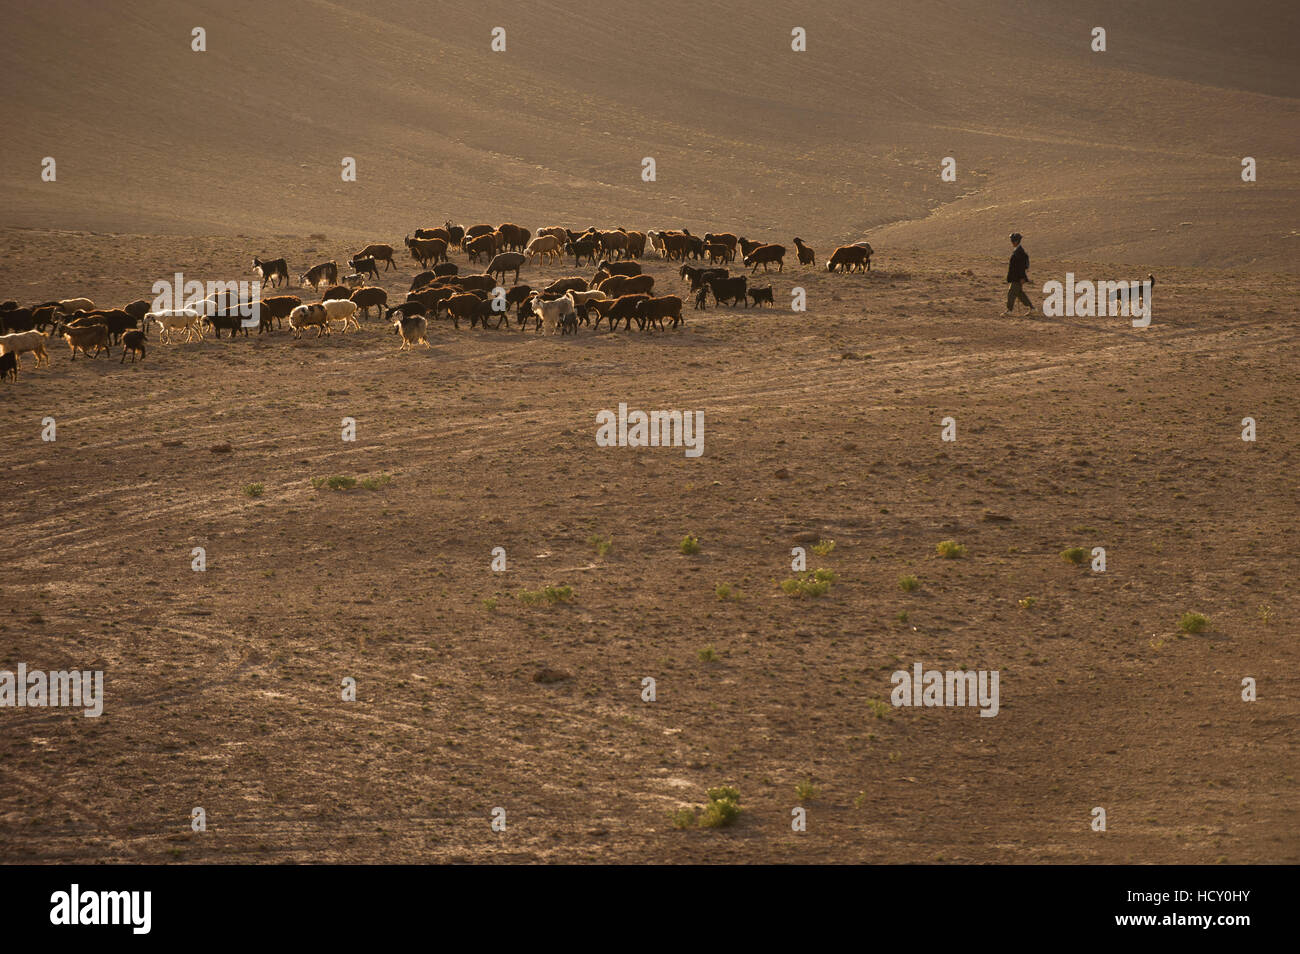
(1017, 275)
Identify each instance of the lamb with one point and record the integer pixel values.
(344, 310)
(547, 246)
(306, 316)
(730, 289)
(9, 366)
(760, 295)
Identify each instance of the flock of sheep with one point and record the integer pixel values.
(619, 290)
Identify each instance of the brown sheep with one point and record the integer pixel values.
(276, 309)
(619, 285)
(380, 253)
(653, 311)
(369, 297)
(86, 337)
(765, 255)
(850, 258)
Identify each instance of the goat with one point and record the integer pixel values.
(272, 271)
(806, 255)
(764, 255)
(326, 271)
(731, 289)
(413, 330)
(364, 265)
(20, 342)
(84, 338)
(380, 253)
(367, 298)
(761, 295)
(655, 310)
(507, 262)
(850, 258)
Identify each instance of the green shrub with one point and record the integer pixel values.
(1075, 555)
(723, 808)
(255, 490)
(908, 583)
(823, 547)
(1193, 623)
(602, 544)
(689, 545)
(950, 549)
(808, 584)
(341, 483)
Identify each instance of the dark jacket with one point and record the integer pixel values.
(1018, 270)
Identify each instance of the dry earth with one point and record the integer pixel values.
(224, 687)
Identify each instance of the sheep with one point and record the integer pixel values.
(463, 305)
(653, 311)
(731, 289)
(338, 291)
(562, 285)
(344, 310)
(9, 366)
(427, 250)
(380, 253)
(456, 234)
(413, 330)
(480, 245)
(635, 243)
(87, 337)
(722, 238)
(850, 258)
(547, 246)
(23, 341)
(696, 275)
(271, 271)
(227, 321)
(619, 268)
(717, 252)
(367, 298)
(516, 237)
(760, 295)
(326, 271)
(507, 262)
(618, 285)
(69, 305)
(305, 316)
(17, 319)
(806, 255)
(624, 308)
(747, 247)
(132, 341)
(443, 233)
(613, 242)
(178, 319)
(764, 255)
(276, 308)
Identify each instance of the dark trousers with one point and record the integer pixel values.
(1015, 293)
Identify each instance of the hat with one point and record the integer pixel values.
(1015, 236)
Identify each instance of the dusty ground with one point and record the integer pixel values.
(223, 688)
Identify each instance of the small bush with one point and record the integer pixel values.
(689, 545)
(950, 549)
(601, 544)
(725, 591)
(723, 808)
(374, 483)
(255, 490)
(1193, 623)
(808, 584)
(708, 654)
(1075, 555)
(908, 583)
(1027, 602)
(878, 708)
(823, 547)
(341, 483)
(806, 790)
(490, 603)
(683, 818)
